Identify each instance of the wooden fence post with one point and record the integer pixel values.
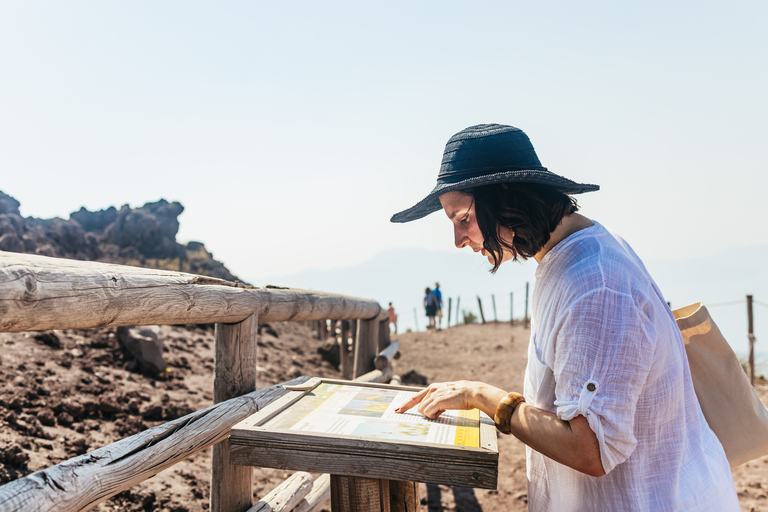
(383, 335)
(345, 360)
(448, 324)
(354, 325)
(404, 496)
(459, 318)
(357, 494)
(493, 302)
(751, 334)
(480, 305)
(235, 375)
(527, 321)
(367, 345)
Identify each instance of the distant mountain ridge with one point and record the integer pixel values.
(144, 236)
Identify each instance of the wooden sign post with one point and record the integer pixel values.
(374, 455)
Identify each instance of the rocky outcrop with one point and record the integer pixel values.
(144, 236)
(9, 204)
(95, 221)
(151, 229)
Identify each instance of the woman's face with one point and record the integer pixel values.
(460, 209)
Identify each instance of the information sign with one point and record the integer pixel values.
(350, 428)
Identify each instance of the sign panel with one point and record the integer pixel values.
(350, 428)
(355, 410)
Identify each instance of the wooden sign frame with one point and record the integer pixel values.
(254, 444)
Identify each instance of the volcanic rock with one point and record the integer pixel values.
(145, 345)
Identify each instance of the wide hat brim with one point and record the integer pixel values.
(487, 154)
(431, 203)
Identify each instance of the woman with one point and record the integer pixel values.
(608, 411)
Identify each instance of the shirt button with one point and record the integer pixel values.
(591, 386)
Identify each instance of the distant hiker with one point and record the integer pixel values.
(430, 305)
(609, 413)
(439, 297)
(392, 318)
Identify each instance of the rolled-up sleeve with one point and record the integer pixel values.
(602, 357)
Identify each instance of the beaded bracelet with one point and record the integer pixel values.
(504, 411)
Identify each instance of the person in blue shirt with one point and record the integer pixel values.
(439, 297)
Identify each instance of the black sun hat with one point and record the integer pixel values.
(485, 154)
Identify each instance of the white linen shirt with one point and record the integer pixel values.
(604, 345)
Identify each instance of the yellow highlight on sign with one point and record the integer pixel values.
(468, 429)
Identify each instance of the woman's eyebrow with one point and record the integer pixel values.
(465, 210)
(462, 211)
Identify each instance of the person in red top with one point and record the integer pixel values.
(392, 318)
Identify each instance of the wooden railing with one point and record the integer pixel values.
(41, 293)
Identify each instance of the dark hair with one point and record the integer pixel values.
(530, 210)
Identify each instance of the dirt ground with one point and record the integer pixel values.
(65, 393)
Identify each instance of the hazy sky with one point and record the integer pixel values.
(292, 131)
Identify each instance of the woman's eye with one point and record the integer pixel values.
(465, 220)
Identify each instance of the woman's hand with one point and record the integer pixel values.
(572, 443)
(440, 397)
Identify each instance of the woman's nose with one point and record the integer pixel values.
(460, 238)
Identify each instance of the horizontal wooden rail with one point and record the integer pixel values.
(385, 357)
(89, 479)
(319, 494)
(286, 496)
(40, 293)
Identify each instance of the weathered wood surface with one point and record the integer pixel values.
(40, 293)
(384, 338)
(408, 453)
(488, 439)
(287, 495)
(385, 357)
(82, 482)
(236, 354)
(346, 350)
(382, 376)
(356, 494)
(366, 346)
(404, 496)
(235, 375)
(317, 496)
(442, 472)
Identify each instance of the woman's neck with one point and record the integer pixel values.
(568, 226)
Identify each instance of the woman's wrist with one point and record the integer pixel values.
(488, 397)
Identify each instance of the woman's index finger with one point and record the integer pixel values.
(418, 397)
